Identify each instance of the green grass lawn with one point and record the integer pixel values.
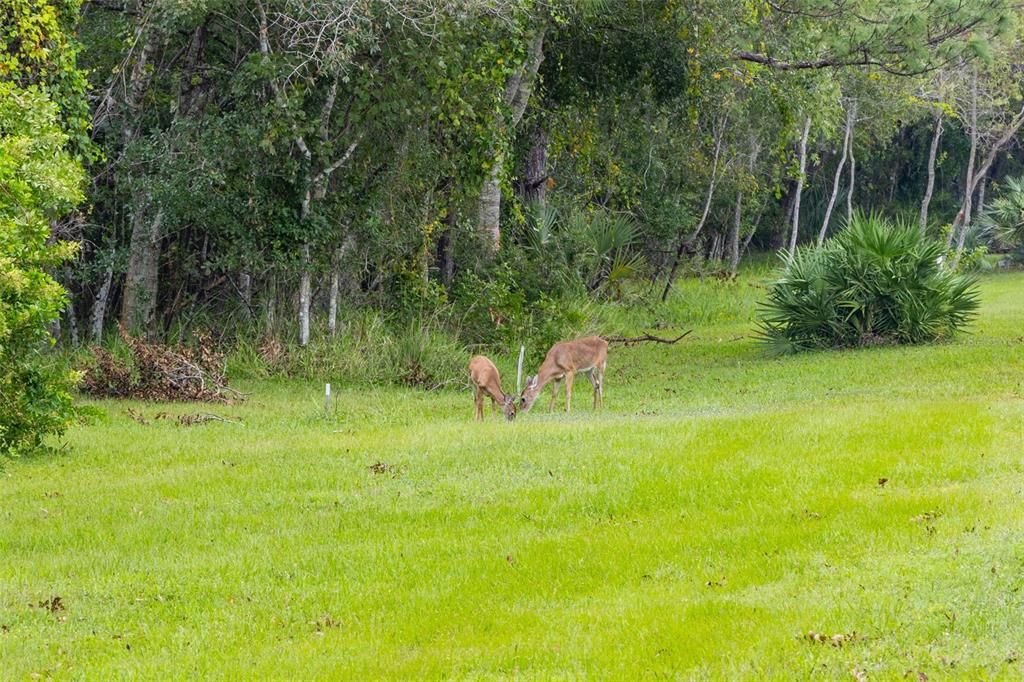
(723, 505)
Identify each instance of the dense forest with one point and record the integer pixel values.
(276, 170)
(275, 161)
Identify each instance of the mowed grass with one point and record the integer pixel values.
(723, 505)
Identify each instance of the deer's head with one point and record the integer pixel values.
(509, 407)
(529, 394)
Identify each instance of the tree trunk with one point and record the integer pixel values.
(930, 188)
(517, 95)
(734, 234)
(245, 291)
(272, 305)
(304, 297)
(835, 180)
(534, 186)
(99, 307)
(980, 208)
(332, 306)
(445, 257)
(853, 163)
(138, 306)
(490, 205)
(963, 217)
(69, 310)
(799, 188)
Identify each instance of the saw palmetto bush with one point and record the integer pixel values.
(1004, 217)
(876, 282)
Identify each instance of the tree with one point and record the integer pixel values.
(43, 128)
(39, 182)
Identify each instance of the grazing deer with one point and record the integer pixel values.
(563, 361)
(486, 380)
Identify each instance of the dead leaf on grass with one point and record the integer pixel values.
(927, 516)
(384, 468)
(837, 640)
(882, 482)
(53, 604)
(137, 416)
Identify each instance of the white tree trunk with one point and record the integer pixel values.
(980, 208)
(963, 217)
(735, 250)
(99, 307)
(272, 305)
(835, 180)
(734, 235)
(245, 291)
(304, 297)
(930, 188)
(799, 188)
(332, 309)
(853, 163)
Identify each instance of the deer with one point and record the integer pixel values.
(564, 361)
(487, 381)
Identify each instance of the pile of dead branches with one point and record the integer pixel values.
(159, 372)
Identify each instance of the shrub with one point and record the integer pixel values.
(875, 282)
(426, 358)
(1004, 216)
(39, 182)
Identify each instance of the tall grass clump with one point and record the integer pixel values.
(876, 282)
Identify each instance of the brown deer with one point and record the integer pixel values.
(563, 361)
(487, 381)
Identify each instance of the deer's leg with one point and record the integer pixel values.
(478, 399)
(599, 386)
(554, 394)
(494, 405)
(568, 391)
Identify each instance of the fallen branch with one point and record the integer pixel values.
(630, 340)
(200, 418)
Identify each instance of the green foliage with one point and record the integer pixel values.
(499, 312)
(424, 357)
(366, 350)
(876, 282)
(37, 47)
(1004, 216)
(38, 182)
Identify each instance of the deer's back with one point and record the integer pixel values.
(482, 370)
(578, 354)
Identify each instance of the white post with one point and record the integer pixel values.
(327, 399)
(519, 371)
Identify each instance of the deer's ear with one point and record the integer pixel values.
(531, 381)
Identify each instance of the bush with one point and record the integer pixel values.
(39, 182)
(1004, 216)
(876, 282)
(423, 357)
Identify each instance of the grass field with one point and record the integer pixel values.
(722, 506)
